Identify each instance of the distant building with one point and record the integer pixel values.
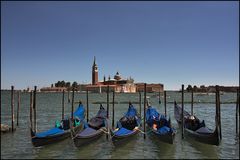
(149, 87)
(118, 84)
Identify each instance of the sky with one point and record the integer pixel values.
(172, 43)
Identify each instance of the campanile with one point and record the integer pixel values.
(94, 72)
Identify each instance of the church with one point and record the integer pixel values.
(117, 84)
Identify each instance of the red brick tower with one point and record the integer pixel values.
(94, 72)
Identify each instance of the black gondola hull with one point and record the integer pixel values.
(41, 141)
(167, 138)
(207, 138)
(210, 138)
(80, 141)
(116, 138)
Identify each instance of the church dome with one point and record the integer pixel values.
(117, 76)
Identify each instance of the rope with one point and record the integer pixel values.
(143, 131)
(106, 132)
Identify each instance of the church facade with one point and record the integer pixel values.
(118, 84)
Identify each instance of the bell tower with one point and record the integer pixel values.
(94, 72)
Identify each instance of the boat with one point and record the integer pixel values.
(61, 130)
(93, 130)
(127, 126)
(159, 125)
(195, 129)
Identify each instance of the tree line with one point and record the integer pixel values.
(203, 88)
(68, 85)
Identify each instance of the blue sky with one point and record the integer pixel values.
(172, 43)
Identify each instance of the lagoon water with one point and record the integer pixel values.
(18, 144)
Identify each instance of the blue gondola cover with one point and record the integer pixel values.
(50, 132)
(131, 111)
(79, 112)
(152, 116)
(123, 131)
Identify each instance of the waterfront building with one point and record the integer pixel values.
(149, 87)
(117, 84)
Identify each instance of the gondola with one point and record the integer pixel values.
(127, 126)
(60, 131)
(93, 130)
(159, 125)
(195, 129)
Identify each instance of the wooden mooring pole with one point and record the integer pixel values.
(113, 101)
(238, 111)
(218, 116)
(192, 102)
(12, 106)
(87, 106)
(63, 104)
(31, 106)
(219, 109)
(165, 103)
(145, 99)
(107, 107)
(140, 104)
(159, 100)
(68, 95)
(18, 107)
(34, 108)
(72, 103)
(237, 108)
(108, 101)
(216, 101)
(182, 111)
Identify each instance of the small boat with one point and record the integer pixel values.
(93, 130)
(127, 126)
(195, 129)
(159, 125)
(60, 131)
